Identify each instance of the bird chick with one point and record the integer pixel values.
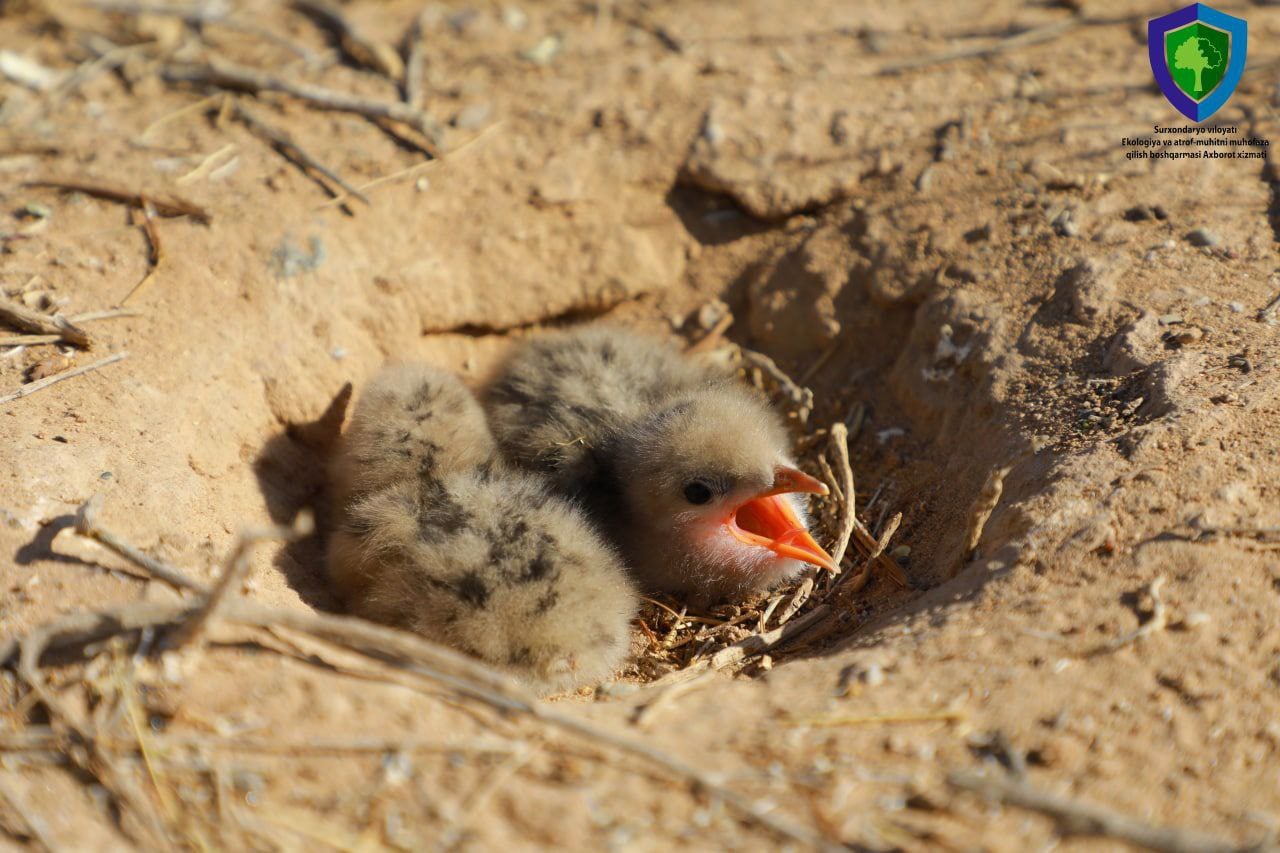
(685, 468)
(438, 536)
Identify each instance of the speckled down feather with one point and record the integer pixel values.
(621, 422)
(437, 535)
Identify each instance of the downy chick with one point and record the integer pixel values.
(686, 469)
(438, 536)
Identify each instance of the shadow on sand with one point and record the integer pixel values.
(292, 473)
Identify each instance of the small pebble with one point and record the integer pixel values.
(892, 432)
(1064, 225)
(514, 18)
(1170, 319)
(473, 115)
(1202, 237)
(925, 179)
(1197, 619)
(35, 210)
(545, 51)
(711, 313)
(1236, 307)
(1189, 335)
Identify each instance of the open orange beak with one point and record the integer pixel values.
(769, 520)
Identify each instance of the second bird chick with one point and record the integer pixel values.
(438, 536)
(686, 469)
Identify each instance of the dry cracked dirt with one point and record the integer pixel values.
(923, 211)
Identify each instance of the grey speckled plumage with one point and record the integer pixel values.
(630, 428)
(436, 534)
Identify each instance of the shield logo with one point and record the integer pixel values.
(1197, 55)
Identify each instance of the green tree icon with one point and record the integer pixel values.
(1197, 55)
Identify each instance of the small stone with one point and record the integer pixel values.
(545, 51)
(1236, 307)
(925, 179)
(711, 313)
(35, 210)
(1197, 619)
(1202, 237)
(473, 115)
(712, 131)
(514, 18)
(1189, 335)
(1064, 225)
(1170, 319)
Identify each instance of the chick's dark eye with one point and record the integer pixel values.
(697, 492)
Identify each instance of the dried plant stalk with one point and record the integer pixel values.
(983, 506)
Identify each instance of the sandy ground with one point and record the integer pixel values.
(961, 247)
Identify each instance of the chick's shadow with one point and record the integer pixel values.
(292, 471)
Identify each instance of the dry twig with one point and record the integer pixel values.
(227, 75)
(410, 171)
(198, 16)
(1158, 622)
(758, 644)
(29, 340)
(293, 152)
(34, 340)
(983, 505)
(109, 314)
(1036, 35)
(164, 204)
(234, 568)
(1076, 818)
(798, 397)
(415, 49)
(664, 696)
(850, 526)
(882, 544)
(396, 649)
(90, 756)
(155, 251)
(87, 526)
(35, 826)
(838, 443)
(361, 48)
(41, 384)
(712, 338)
(943, 715)
(21, 317)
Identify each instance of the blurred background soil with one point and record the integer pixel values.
(922, 211)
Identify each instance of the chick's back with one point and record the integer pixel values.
(451, 543)
(562, 397)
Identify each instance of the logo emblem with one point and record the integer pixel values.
(1197, 55)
